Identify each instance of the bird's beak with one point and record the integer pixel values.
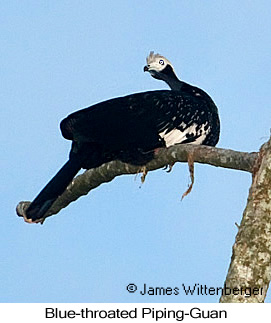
(146, 69)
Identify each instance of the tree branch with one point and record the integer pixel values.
(92, 178)
(250, 269)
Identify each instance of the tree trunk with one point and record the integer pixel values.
(250, 268)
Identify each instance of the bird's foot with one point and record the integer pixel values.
(168, 168)
(190, 161)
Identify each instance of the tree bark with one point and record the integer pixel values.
(250, 268)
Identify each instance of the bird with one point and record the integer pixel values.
(130, 128)
(197, 120)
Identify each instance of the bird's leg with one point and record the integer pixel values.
(190, 160)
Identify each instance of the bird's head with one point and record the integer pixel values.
(159, 67)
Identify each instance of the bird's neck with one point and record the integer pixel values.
(174, 83)
(171, 79)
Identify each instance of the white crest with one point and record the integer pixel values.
(157, 62)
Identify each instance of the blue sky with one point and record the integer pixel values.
(59, 56)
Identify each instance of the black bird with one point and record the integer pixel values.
(130, 128)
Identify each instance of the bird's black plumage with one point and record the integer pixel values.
(129, 128)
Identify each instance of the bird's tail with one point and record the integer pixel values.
(53, 190)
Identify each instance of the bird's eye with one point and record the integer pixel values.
(161, 62)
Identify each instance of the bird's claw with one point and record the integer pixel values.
(169, 167)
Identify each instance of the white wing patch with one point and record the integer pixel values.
(177, 136)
